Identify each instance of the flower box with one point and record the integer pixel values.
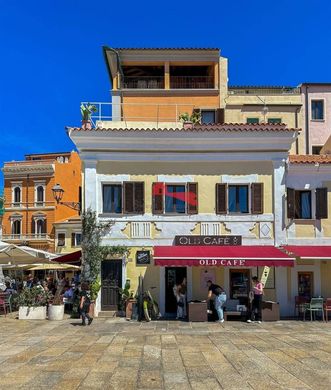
(32, 313)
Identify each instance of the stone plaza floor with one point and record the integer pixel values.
(115, 354)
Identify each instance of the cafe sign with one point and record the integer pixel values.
(207, 240)
(223, 262)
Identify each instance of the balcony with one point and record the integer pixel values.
(191, 82)
(264, 90)
(26, 237)
(143, 82)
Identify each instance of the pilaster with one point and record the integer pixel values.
(279, 189)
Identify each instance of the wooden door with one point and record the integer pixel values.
(111, 282)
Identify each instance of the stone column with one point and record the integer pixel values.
(90, 187)
(279, 203)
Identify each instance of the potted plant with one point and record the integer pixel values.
(86, 111)
(56, 308)
(125, 295)
(32, 303)
(94, 288)
(190, 120)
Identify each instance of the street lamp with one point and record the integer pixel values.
(58, 192)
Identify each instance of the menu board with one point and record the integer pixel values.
(143, 257)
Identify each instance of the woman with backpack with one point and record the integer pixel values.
(84, 305)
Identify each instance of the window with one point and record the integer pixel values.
(40, 226)
(16, 227)
(317, 110)
(316, 149)
(61, 239)
(238, 199)
(76, 239)
(299, 204)
(208, 117)
(127, 198)
(39, 195)
(252, 120)
(274, 120)
(232, 198)
(175, 198)
(17, 196)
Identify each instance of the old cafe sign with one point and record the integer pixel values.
(207, 240)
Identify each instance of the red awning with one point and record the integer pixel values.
(309, 252)
(226, 256)
(73, 258)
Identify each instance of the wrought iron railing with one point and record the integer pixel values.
(143, 82)
(191, 82)
(264, 91)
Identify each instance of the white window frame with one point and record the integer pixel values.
(14, 218)
(13, 186)
(249, 200)
(75, 232)
(37, 218)
(57, 238)
(36, 185)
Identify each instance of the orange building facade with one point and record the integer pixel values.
(30, 208)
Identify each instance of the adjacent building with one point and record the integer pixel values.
(30, 207)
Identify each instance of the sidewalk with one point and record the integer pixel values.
(115, 354)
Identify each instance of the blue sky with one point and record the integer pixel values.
(51, 56)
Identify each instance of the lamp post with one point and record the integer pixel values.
(58, 192)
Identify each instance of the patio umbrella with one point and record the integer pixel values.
(54, 266)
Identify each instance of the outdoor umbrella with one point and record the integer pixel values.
(53, 266)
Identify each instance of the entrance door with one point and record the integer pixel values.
(111, 282)
(173, 276)
(305, 284)
(240, 285)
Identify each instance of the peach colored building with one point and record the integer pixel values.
(30, 208)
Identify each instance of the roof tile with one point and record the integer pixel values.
(310, 159)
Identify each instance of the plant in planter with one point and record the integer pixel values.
(125, 295)
(32, 303)
(190, 120)
(86, 111)
(56, 308)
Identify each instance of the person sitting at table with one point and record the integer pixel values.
(9, 289)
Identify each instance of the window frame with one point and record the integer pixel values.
(58, 240)
(14, 202)
(185, 202)
(249, 120)
(311, 110)
(316, 146)
(112, 184)
(209, 111)
(13, 221)
(37, 185)
(274, 121)
(78, 232)
(248, 186)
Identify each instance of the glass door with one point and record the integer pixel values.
(305, 284)
(240, 285)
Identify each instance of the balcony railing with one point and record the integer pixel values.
(26, 237)
(191, 82)
(143, 82)
(264, 91)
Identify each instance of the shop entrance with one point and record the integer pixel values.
(240, 285)
(305, 284)
(173, 276)
(111, 282)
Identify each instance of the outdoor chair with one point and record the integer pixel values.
(7, 298)
(299, 305)
(315, 305)
(327, 308)
(3, 306)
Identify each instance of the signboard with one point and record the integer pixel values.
(267, 276)
(143, 257)
(208, 240)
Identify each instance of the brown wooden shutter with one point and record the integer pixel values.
(257, 198)
(321, 203)
(128, 206)
(192, 198)
(157, 197)
(220, 115)
(139, 197)
(73, 236)
(290, 203)
(221, 198)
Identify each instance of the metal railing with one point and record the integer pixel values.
(143, 82)
(25, 237)
(152, 113)
(264, 91)
(191, 82)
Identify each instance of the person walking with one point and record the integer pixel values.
(216, 291)
(256, 312)
(180, 294)
(84, 305)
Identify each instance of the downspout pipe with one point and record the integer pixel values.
(307, 120)
(296, 126)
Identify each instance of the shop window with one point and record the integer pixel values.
(127, 198)
(317, 110)
(252, 120)
(16, 227)
(299, 204)
(274, 120)
(61, 239)
(305, 284)
(76, 239)
(17, 196)
(240, 285)
(175, 198)
(235, 198)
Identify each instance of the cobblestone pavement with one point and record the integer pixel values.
(115, 354)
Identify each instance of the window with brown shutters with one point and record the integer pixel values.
(257, 198)
(73, 239)
(158, 198)
(221, 198)
(220, 115)
(290, 203)
(321, 203)
(128, 193)
(134, 201)
(192, 198)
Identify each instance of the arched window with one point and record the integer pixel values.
(17, 195)
(16, 227)
(40, 226)
(40, 194)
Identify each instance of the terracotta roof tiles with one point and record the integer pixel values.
(310, 159)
